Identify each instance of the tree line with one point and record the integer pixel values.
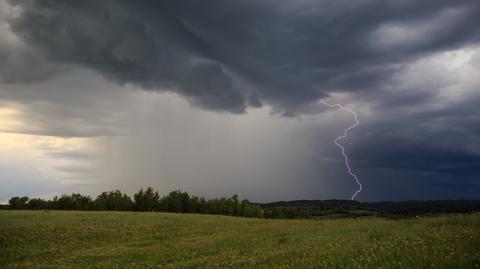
(143, 200)
(181, 202)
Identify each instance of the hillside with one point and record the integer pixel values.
(353, 209)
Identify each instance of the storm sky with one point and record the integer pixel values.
(222, 97)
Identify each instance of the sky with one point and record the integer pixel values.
(225, 97)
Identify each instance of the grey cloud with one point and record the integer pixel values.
(476, 59)
(125, 49)
(292, 52)
(68, 155)
(420, 153)
(74, 169)
(443, 141)
(21, 63)
(231, 55)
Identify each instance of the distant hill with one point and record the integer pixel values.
(348, 208)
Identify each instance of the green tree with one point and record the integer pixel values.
(236, 206)
(37, 203)
(75, 201)
(113, 200)
(18, 202)
(251, 210)
(147, 200)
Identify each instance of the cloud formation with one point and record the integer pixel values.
(408, 67)
(228, 55)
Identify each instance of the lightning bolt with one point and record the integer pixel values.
(345, 134)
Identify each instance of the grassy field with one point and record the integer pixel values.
(63, 239)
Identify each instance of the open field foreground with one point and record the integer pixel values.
(72, 239)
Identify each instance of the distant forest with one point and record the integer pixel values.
(143, 200)
(182, 202)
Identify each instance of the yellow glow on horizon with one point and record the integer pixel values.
(44, 154)
(13, 136)
(10, 119)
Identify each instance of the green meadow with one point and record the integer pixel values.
(75, 239)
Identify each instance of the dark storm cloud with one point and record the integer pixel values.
(289, 54)
(440, 140)
(125, 48)
(422, 155)
(227, 55)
